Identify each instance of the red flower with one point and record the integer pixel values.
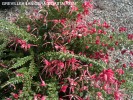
(111, 37)
(107, 75)
(87, 47)
(64, 88)
(43, 84)
(37, 96)
(87, 5)
(16, 96)
(106, 25)
(74, 63)
(84, 88)
(46, 62)
(116, 43)
(122, 29)
(73, 8)
(99, 94)
(97, 42)
(117, 60)
(131, 65)
(120, 71)
(93, 30)
(131, 52)
(118, 95)
(8, 99)
(90, 64)
(86, 12)
(80, 35)
(124, 65)
(62, 21)
(28, 28)
(123, 51)
(61, 64)
(111, 48)
(23, 44)
(43, 98)
(19, 74)
(130, 36)
(100, 31)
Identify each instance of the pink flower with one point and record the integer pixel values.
(43, 98)
(90, 65)
(61, 64)
(43, 84)
(28, 28)
(56, 21)
(8, 99)
(19, 74)
(24, 44)
(35, 97)
(87, 5)
(84, 88)
(72, 82)
(73, 8)
(99, 94)
(73, 63)
(46, 62)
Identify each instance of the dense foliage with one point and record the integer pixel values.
(55, 53)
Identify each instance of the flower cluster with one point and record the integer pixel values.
(71, 57)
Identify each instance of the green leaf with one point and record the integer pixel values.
(21, 62)
(15, 80)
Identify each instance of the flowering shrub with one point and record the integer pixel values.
(58, 54)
